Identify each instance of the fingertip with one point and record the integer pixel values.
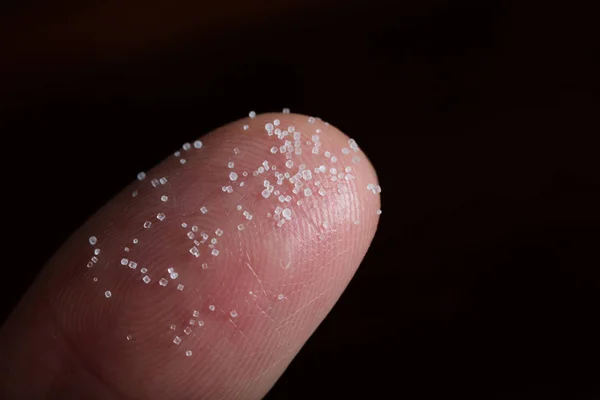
(220, 262)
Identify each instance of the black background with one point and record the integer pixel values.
(480, 118)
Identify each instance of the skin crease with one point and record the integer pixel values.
(270, 286)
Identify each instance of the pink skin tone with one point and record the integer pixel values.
(270, 286)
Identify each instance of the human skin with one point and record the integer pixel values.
(259, 298)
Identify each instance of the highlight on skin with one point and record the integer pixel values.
(205, 276)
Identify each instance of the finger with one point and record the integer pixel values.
(203, 278)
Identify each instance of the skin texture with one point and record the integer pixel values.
(270, 286)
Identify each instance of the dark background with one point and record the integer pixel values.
(480, 117)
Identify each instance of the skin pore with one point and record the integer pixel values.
(205, 276)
